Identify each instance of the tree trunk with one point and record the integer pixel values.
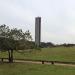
(10, 52)
(11, 56)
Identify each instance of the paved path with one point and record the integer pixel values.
(34, 62)
(40, 62)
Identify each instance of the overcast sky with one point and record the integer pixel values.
(58, 18)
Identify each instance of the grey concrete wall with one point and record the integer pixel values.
(37, 31)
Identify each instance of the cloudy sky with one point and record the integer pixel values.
(58, 18)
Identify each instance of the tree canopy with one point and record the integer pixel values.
(13, 38)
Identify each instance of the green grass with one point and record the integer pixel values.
(57, 53)
(35, 69)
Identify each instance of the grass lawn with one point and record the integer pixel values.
(35, 69)
(57, 53)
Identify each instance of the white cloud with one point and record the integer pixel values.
(58, 17)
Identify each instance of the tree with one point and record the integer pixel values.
(48, 44)
(8, 45)
(13, 39)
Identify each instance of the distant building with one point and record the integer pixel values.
(37, 31)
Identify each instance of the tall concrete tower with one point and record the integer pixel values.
(37, 31)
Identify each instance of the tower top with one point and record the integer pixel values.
(38, 17)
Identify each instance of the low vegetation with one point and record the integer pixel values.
(56, 53)
(35, 69)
